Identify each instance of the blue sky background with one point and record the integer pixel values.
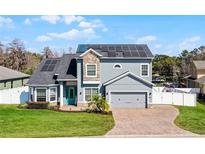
(163, 34)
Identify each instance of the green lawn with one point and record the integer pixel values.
(46, 123)
(192, 118)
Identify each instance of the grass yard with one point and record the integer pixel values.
(192, 118)
(46, 123)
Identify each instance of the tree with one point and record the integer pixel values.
(47, 53)
(2, 58)
(16, 55)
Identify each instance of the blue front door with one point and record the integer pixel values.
(71, 95)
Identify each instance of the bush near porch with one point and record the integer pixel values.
(17, 122)
(192, 118)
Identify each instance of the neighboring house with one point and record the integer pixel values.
(120, 72)
(196, 79)
(11, 79)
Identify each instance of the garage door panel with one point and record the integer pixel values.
(128, 99)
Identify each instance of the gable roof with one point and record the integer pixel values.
(65, 69)
(40, 77)
(199, 64)
(118, 50)
(126, 74)
(90, 50)
(6, 74)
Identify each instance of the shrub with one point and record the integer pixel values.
(22, 106)
(38, 105)
(53, 106)
(98, 104)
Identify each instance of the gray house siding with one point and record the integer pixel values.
(107, 73)
(128, 84)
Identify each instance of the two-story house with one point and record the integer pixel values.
(196, 79)
(120, 72)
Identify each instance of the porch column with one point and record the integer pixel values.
(61, 94)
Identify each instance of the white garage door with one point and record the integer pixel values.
(128, 99)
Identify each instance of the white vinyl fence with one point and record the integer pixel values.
(18, 95)
(174, 98)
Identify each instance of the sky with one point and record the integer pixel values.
(163, 34)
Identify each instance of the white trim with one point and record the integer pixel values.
(147, 69)
(66, 79)
(143, 91)
(91, 93)
(36, 93)
(38, 85)
(91, 82)
(117, 64)
(125, 74)
(90, 50)
(87, 72)
(50, 93)
(61, 94)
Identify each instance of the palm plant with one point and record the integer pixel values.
(99, 104)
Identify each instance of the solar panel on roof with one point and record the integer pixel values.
(45, 67)
(135, 54)
(48, 62)
(139, 47)
(111, 54)
(118, 48)
(104, 48)
(51, 68)
(111, 48)
(125, 48)
(142, 54)
(126, 54)
(49, 65)
(132, 47)
(54, 62)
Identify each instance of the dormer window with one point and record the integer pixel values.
(117, 66)
(91, 70)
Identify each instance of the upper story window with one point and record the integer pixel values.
(91, 70)
(117, 66)
(145, 70)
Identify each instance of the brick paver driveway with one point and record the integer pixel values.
(154, 121)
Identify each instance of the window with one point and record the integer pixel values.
(117, 66)
(91, 70)
(144, 70)
(5, 84)
(41, 95)
(89, 93)
(53, 94)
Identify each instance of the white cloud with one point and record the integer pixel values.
(93, 24)
(52, 19)
(69, 19)
(74, 34)
(146, 39)
(27, 21)
(43, 38)
(189, 43)
(8, 22)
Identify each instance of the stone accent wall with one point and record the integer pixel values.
(91, 58)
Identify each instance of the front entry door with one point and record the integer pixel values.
(71, 95)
